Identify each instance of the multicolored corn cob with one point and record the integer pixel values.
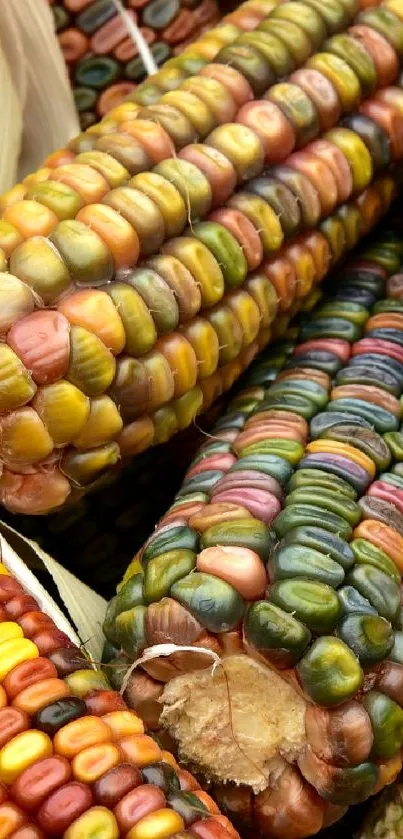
(102, 59)
(282, 555)
(128, 355)
(74, 761)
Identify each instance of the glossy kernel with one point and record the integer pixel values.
(21, 752)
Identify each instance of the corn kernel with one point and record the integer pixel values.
(39, 694)
(96, 823)
(10, 630)
(92, 763)
(157, 825)
(14, 652)
(22, 751)
(140, 749)
(123, 723)
(79, 735)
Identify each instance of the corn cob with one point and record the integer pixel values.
(102, 60)
(385, 820)
(283, 545)
(123, 365)
(74, 761)
(309, 258)
(109, 521)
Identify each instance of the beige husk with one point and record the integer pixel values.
(37, 108)
(241, 723)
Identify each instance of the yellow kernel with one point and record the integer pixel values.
(166, 757)
(134, 567)
(83, 682)
(22, 751)
(96, 823)
(157, 825)
(140, 749)
(123, 723)
(9, 630)
(14, 652)
(4, 570)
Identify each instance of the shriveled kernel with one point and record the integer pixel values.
(24, 439)
(30, 218)
(40, 266)
(113, 171)
(94, 310)
(242, 147)
(16, 385)
(89, 183)
(117, 234)
(88, 260)
(167, 198)
(10, 237)
(64, 410)
(191, 183)
(34, 493)
(16, 300)
(64, 201)
(42, 342)
(84, 467)
(201, 264)
(92, 366)
(103, 424)
(142, 213)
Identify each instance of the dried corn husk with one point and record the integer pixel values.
(38, 113)
(83, 607)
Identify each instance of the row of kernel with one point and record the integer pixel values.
(291, 277)
(215, 466)
(217, 98)
(103, 62)
(274, 438)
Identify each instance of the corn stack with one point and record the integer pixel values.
(129, 355)
(282, 555)
(74, 761)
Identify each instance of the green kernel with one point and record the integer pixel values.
(276, 634)
(164, 570)
(215, 603)
(315, 604)
(370, 637)
(387, 724)
(330, 672)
